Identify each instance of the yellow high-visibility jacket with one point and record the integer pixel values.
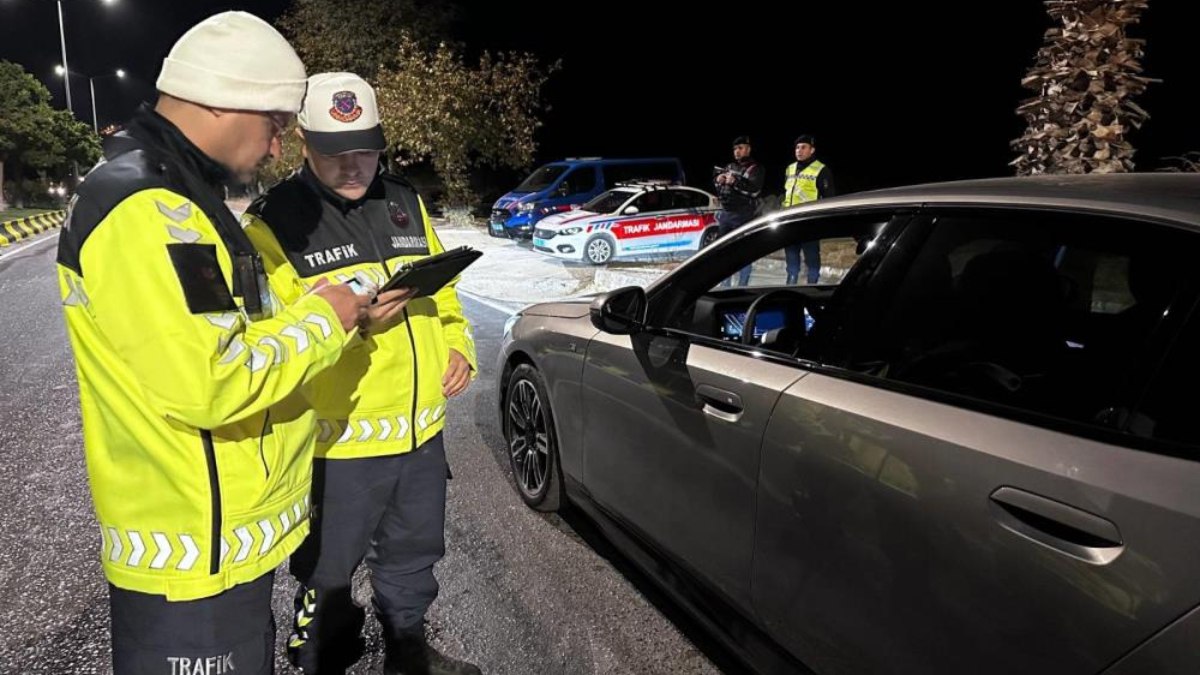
(198, 441)
(384, 396)
(800, 187)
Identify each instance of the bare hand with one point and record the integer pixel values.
(350, 307)
(387, 309)
(458, 375)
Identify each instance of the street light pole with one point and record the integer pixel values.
(62, 38)
(92, 86)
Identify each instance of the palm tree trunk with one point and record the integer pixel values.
(1085, 77)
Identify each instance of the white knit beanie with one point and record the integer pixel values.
(234, 60)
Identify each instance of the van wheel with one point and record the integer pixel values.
(710, 235)
(599, 250)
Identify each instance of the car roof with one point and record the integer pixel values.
(1162, 196)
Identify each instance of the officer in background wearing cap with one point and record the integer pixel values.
(738, 186)
(198, 441)
(805, 180)
(379, 480)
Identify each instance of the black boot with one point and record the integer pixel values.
(412, 655)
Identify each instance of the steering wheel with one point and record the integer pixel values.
(752, 312)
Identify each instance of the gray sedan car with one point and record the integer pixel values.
(968, 448)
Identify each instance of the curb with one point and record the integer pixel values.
(12, 231)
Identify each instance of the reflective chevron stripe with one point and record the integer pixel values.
(299, 335)
(164, 550)
(258, 360)
(190, 554)
(326, 432)
(136, 548)
(247, 542)
(320, 322)
(274, 346)
(365, 429)
(233, 350)
(178, 214)
(268, 536)
(76, 296)
(183, 235)
(226, 320)
(115, 552)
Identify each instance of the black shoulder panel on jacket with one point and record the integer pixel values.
(291, 210)
(396, 179)
(105, 187)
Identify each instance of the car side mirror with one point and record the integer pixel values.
(630, 210)
(620, 312)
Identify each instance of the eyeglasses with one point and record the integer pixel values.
(280, 121)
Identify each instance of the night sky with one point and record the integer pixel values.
(895, 93)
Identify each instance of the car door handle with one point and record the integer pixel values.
(719, 403)
(1072, 531)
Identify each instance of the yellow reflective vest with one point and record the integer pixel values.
(198, 442)
(384, 396)
(799, 188)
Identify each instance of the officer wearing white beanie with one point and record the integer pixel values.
(199, 444)
(234, 60)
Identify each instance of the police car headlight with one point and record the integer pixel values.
(509, 323)
(571, 230)
(526, 208)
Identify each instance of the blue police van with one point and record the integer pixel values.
(561, 186)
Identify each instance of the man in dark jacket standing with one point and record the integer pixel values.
(738, 187)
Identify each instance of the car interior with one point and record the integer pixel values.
(769, 313)
(1044, 316)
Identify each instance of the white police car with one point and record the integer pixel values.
(631, 220)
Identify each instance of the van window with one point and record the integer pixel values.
(581, 180)
(623, 173)
(541, 179)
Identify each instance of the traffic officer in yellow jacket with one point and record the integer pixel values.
(198, 442)
(805, 180)
(379, 481)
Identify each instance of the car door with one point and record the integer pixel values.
(640, 233)
(674, 417)
(962, 486)
(686, 221)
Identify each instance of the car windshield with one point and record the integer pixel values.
(608, 202)
(541, 179)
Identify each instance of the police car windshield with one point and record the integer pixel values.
(608, 202)
(541, 179)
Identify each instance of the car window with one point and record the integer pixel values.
(1042, 312)
(714, 303)
(653, 200)
(688, 199)
(1166, 412)
(608, 202)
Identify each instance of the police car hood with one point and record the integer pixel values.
(569, 219)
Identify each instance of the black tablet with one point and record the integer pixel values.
(428, 275)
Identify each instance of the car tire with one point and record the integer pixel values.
(599, 249)
(710, 235)
(530, 440)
